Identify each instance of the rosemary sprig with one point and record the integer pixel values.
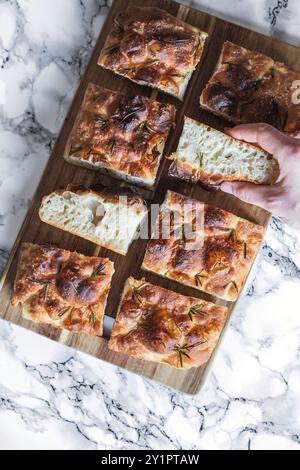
(111, 49)
(183, 350)
(199, 278)
(63, 312)
(234, 285)
(232, 234)
(99, 270)
(148, 128)
(136, 294)
(197, 310)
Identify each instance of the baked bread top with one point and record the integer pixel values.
(156, 324)
(120, 134)
(107, 217)
(208, 248)
(248, 86)
(207, 155)
(65, 289)
(151, 47)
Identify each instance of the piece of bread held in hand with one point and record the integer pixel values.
(209, 156)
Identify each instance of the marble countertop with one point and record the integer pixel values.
(52, 397)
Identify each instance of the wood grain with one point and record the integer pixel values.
(58, 174)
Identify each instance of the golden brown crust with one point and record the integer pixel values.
(159, 325)
(120, 134)
(250, 87)
(215, 259)
(65, 289)
(149, 46)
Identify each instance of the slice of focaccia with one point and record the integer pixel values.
(210, 156)
(123, 136)
(248, 86)
(151, 47)
(109, 218)
(207, 248)
(62, 288)
(156, 324)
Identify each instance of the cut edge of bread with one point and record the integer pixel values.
(210, 156)
(67, 207)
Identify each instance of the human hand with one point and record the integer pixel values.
(283, 197)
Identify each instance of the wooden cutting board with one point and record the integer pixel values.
(58, 174)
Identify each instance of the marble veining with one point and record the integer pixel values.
(57, 398)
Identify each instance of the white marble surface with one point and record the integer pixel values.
(53, 397)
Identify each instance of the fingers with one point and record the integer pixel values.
(295, 135)
(251, 193)
(266, 136)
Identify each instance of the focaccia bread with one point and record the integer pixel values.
(207, 248)
(210, 156)
(156, 324)
(151, 47)
(109, 218)
(248, 86)
(62, 288)
(123, 136)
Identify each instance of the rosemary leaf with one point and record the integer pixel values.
(200, 156)
(63, 312)
(92, 318)
(234, 285)
(232, 234)
(184, 349)
(136, 294)
(132, 113)
(245, 250)
(111, 49)
(99, 271)
(199, 278)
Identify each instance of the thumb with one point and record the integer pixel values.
(251, 193)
